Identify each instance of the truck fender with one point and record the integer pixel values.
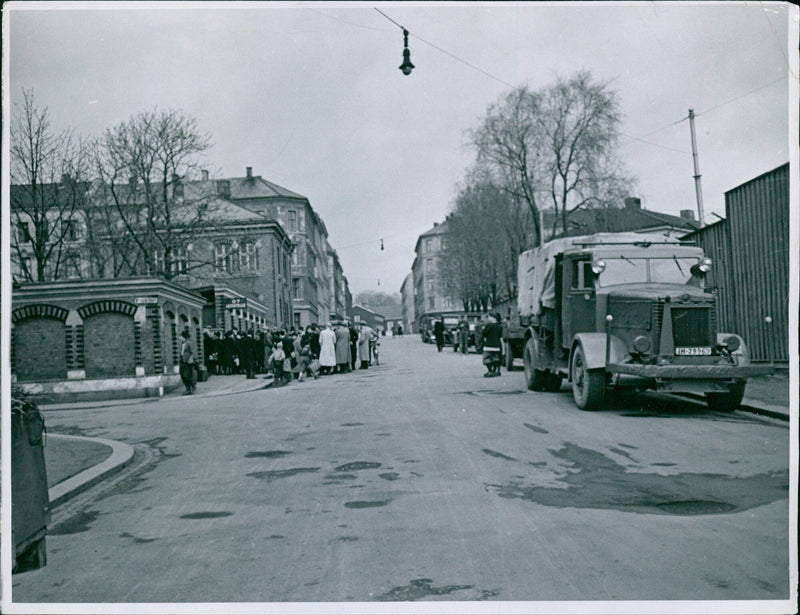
(742, 353)
(594, 348)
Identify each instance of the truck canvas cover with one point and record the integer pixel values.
(535, 271)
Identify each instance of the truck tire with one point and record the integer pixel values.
(726, 402)
(535, 379)
(588, 385)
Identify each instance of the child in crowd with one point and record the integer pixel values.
(276, 360)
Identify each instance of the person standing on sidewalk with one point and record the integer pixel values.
(187, 364)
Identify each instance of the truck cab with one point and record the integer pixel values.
(626, 310)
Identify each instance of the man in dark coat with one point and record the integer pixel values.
(353, 345)
(438, 333)
(493, 346)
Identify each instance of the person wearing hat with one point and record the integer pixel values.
(187, 364)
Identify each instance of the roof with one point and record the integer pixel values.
(254, 187)
(620, 220)
(439, 228)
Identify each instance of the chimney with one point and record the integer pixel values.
(249, 172)
(687, 214)
(435, 224)
(633, 202)
(204, 175)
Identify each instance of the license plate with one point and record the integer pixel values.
(692, 351)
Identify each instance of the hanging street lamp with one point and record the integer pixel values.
(406, 66)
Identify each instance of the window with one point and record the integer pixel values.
(447, 303)
(223, 187)
(221, 258)
(291, 220)
(431, 285)
(72, 265)
(444, 243)
(248, 256)
(23, 232)
(180, 258)
(297, 320)
(431, 302)
(297, 292)
(69, 230)
(428, 245)
(582, 277)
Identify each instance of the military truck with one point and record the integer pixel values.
(626, 310)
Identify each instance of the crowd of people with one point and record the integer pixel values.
(291, 354)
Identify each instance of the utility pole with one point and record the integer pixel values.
(697, 186)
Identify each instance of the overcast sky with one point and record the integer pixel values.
(311, 96)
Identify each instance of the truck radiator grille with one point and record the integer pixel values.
(692, 326)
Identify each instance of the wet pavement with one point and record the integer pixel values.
(421, 481)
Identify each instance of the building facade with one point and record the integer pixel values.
(310, 274)
(407, 302)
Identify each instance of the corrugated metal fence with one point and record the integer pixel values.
(751, 254)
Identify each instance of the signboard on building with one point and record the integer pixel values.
(146, 300)
(239, 303)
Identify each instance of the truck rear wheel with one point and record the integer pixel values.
(535, 379)
(726, 402)
(588, 385)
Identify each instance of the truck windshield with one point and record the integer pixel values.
(667, 270)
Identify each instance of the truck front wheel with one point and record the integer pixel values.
(588, 385)
(726, 402)
(509, 357)
(535, 379)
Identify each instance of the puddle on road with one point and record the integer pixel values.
(351, 424)
(273, 474)
(136, 539)
(492, 453)
(366, 503)
(207, 515)
(418, 589)
(267, 454)
(354, 466)
(347, 538)
(389, 476)
(75, 524)
(597, 481)
(535, 428)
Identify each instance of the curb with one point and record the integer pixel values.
(121, 456)
(753, 407)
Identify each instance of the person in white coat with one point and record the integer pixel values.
(327, 351)
(365, 336)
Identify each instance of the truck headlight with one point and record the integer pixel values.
(598, 267)
(641, 344)
(702, 267)
(732, 343)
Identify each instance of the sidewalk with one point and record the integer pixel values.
(75, 463)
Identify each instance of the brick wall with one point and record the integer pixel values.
(109, 345)
(31, 337)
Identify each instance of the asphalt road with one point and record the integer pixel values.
(421, 480)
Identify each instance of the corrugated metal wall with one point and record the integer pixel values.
(758, 219)
(751, 254)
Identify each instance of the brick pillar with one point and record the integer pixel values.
(154, 316)
(76, 361)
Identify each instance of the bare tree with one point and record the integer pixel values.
(144, 165)
(555, 145)
(49, 179)
(581, 119)
(485, 234)
(510, 146)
